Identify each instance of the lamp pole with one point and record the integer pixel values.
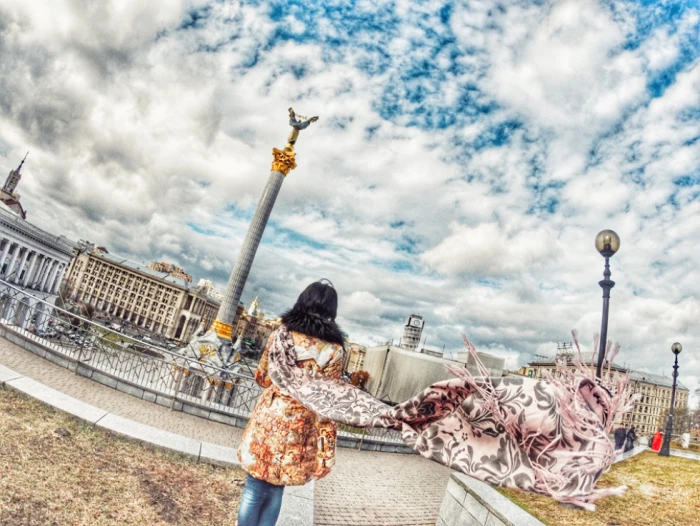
(665, 451)
(607, 243)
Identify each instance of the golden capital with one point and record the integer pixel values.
(223, 330)
(283, 161)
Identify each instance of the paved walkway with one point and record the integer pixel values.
(367, 488)
(364, 489)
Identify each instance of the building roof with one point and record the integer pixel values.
(664, 381)
(59, 243)
(142, 268)
(640, 376)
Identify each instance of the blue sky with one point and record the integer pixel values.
(466, 155)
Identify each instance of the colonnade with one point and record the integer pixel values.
(27, 267)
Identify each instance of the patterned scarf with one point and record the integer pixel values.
(546, 436)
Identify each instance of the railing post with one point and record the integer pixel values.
(80, 356)
(181, 374)
(362, 439)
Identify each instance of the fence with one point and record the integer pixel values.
(146, 370)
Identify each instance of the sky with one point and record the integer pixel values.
(465, 157)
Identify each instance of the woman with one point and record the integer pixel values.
(631, 438)
(285, 444)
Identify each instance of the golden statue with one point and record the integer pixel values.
(285, 160)
(298, 123)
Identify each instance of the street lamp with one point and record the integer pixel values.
(665, 451)
(607, 243)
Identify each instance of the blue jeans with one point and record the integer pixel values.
(260, 503)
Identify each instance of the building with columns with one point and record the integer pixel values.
(137, 294)
(33, 260)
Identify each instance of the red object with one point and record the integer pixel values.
(656, 441)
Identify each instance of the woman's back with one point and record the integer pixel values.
(284, 443)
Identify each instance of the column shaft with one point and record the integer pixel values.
(49, 269)
(28, 274)
(5, 251)
(10, 266)
(234, 288)
(20, 265)
(59, 278)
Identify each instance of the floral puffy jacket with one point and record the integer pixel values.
(284, 443)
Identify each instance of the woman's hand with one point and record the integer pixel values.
(321, 472)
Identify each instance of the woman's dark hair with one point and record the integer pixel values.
(320, 299)
(314, 313)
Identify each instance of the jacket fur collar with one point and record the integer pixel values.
(314, 326)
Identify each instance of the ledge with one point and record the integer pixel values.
(471, 502)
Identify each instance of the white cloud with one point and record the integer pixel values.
(487, 251)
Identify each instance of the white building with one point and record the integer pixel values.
(208, 286)
(31, 259)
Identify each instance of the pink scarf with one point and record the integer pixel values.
(545, 436)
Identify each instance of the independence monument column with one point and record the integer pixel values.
(283, 162)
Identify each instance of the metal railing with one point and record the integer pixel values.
(130, 360)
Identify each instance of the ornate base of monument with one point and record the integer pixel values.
(223, 330)
(284, 160)
(214, 347)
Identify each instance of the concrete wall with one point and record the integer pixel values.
(402, 373)
(374, 365)
(494, 364)
(470, 502)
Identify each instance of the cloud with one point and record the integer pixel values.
(486, 251)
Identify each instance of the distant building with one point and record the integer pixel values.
(168, 268)
(152, 300)
(354, 357)
(211, 291)
(412, 331)
(396, 374)
(251, 325)
(647, 414)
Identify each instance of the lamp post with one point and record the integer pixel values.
(665, 451)
(607, 243)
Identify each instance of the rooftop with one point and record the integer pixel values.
(640, 376)
(56, 242)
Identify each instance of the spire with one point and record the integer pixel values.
(13, 178)
(21, 163)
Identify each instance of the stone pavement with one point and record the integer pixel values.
(380, 489)
(364, 489)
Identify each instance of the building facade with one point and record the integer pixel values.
(251, 325)
(154, 301)
(208, 286)
(354, 357)
(655, 390)
(33, 260)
